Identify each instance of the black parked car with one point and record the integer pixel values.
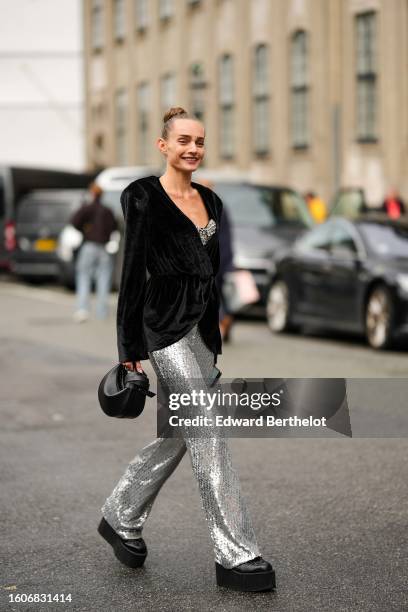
(345, 275)
(41, 216)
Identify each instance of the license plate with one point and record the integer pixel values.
(45, 244)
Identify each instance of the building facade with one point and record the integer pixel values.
(308, 93)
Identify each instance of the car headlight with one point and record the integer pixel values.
(402, 280)
(24, 244)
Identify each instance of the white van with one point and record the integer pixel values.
(114, 180)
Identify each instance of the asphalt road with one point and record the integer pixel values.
(330, 514)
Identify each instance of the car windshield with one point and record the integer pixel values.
(264, 207)
(46, 211)
(386, 240)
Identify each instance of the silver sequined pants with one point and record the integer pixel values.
(130, 503)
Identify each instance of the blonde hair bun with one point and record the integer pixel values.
(174, 111)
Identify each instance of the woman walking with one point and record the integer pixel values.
(171, 229)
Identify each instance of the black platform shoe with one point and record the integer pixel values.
(254, 575)
(130, 552)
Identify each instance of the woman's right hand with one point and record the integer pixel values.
(133, 365)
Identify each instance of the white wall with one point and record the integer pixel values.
(41, 83)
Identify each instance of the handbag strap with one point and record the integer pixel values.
(122, 372)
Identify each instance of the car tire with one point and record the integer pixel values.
(379, 318)
(278, 307)
(33, 280)
(65, 279)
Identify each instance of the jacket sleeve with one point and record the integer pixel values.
(225, 238)
(219, 214)
(129, 319)
(79, 217)
(219, 206)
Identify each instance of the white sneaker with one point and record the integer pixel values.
(80, 316)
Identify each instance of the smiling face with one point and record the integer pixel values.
(184, 147)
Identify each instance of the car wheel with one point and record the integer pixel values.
(33, 280)
(379, 317)
(277, 307)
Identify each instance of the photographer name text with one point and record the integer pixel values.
(259, 421)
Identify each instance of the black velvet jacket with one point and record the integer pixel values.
(180, 291)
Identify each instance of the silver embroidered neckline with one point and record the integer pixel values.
(207, 231)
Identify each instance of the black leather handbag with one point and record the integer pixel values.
(122, 392)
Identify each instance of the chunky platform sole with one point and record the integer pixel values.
(122, 553)
(240, 581)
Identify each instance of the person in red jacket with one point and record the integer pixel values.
(393, 205)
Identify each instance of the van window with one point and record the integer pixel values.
(259, 206)
(246, 205)
(111, 199)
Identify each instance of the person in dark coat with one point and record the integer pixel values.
(96, 222)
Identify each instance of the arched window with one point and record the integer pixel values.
(260, 93)
(166, 9)
(141, 14)
(299, 89)
(197, 86)
(143, 122)
(97, 24)
(121, 109)
(366, 77)
(119, 19)
(167, 91)
(226, 104)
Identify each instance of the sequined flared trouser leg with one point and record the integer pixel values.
(129, 505)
